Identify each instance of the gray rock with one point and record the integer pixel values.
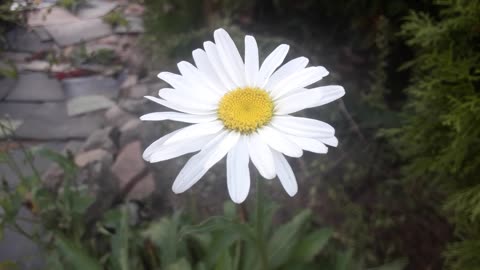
(51, 16)
(80, 31)
(6, 85)
(36, 87)
(135, 26)
(135, 106)
(87, 104)
(36, 65)
(92, 85)
(95, 9)
(137, 91)
(42, 33)
(143, 189)
(15, 56)
(130, 131)
(21, 39)
(129, 163)
(106, 139)
(49, 121)
(117, 117)
(85, 158)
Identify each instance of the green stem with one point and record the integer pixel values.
(262, 249)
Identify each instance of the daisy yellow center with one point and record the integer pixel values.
(245, 109)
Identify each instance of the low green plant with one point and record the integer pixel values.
(115, 18)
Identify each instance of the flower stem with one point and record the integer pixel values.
(262, 249)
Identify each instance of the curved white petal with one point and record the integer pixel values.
(309, 144)
(297, 81)
(217, 65)
(189, 145)
(156, 144)
(229, 55)
(332, 141)
(251, 60)
(205, 67)
(261, 156)
(199, 82)
(180, 117)
(185, 100)
(302, 127)
(196, 130)
(177, 107)
(238, 173)
(279, 142)
(285, 173)
(272, 62)
(308, 98)
(190, 89)
(200, 163)
(286, 70)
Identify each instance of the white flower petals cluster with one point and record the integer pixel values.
(195, 96)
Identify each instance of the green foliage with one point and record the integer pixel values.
(440, 138)
(115, 18)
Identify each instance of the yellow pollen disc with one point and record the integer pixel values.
(245, 109)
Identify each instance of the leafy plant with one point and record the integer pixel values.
(440, 137)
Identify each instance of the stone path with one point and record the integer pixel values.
(69, 71)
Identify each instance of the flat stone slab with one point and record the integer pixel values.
(92, 85)
(6, 85)
(51, 16)
(72, 33)
(36, 65)
(49, 121)
(36, 86)
(86, 104)
(42, 33)
(19, 39)
(96, 9)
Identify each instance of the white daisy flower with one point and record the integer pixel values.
(240, 109)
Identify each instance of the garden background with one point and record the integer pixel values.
(401, 191)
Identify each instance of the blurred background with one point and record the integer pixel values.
(401, 191)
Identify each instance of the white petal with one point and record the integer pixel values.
(178, 107)
(156, 144)
(199, 82)
(231, 59)
(308, 98)
(196, 131)
(261, 156)
(309, 144)
(180, 117)
(200, 163)
(189, 145)
(251, 60)
(185, 100)
(218, 66)
(332, 141)
(286, 70)
(279, 142)
(285, 174)
(272, 62)
(298, 80)
(203, 64)
(192, 89)
(238, 174)
(302, 127)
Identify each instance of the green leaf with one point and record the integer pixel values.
(76, 256)
(311, 245)
(343, 261)
(181, 264)
(285, 238)
(64, 162)
(8, 265)
(215, 224)
(120, 242)
(398, 264)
